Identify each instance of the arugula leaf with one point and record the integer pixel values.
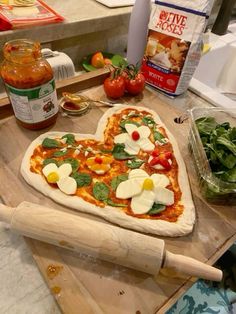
(49, 161)
(101, 191)
(206, 125)
(82, 179)
(156, 209)
(218, 156)
(119, 153)
(227, 142)
(111, 203)
(70, 138)
(219, 142)
(60, 153)
(229, 176)
(135, 163)
(50, 143)
(117, 180)
(74, 163)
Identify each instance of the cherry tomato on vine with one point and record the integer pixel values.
(135, 83)
(114, 86)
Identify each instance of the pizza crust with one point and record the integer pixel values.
(185, 222)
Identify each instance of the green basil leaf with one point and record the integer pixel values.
(134, 163)
(119, 153)
(159, 137)
(60, 153)
(117, 180)
(111, 203)
(50, 143)
(74, 163)
(149, 121)
(82, 179)
(49, 161)
(70, 138)
(156, 209)
(101, 191)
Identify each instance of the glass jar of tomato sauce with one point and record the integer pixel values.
(30, 84)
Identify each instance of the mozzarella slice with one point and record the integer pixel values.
(121, 138)
(144, 131)
(64, 170)
(164, 196)
(76, 152)
(138, 174)
(146, 145)
(131, 147)
(160, 180)
(67, 185)
(128, 189)
(142, 203)
(130, 128)
(49, 169)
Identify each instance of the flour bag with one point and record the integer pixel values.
(174, 43)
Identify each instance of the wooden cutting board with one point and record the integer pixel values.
(83, 284)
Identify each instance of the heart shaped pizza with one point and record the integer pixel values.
(130, 172)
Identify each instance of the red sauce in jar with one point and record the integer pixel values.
(29, 84)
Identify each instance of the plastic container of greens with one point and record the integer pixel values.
(212, 142)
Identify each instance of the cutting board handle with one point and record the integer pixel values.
(190, 266)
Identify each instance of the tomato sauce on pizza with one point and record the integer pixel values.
(135, 156)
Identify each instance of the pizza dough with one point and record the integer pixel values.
(182, 226)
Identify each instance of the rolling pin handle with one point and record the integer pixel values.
(6, 213)
(191, 266)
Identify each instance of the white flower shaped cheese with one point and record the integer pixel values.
(60, 176)
(145, 190)
(135, 139)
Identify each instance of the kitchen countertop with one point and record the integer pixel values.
(81, 17)
(24, 290)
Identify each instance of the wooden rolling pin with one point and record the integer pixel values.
(104, 241)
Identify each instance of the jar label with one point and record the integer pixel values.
(34, 105)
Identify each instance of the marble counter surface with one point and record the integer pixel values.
(22, 288)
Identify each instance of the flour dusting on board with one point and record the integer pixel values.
(174, 43)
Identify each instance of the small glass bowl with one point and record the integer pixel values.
(74, 109)
(212, 188)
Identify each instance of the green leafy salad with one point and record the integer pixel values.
(219, 142)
